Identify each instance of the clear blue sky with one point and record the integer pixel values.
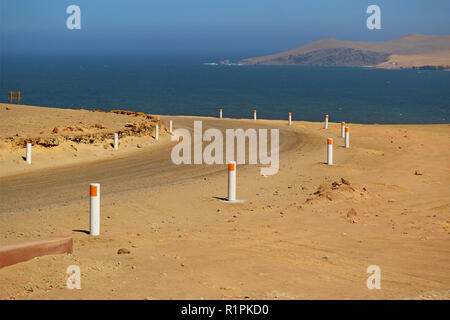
(208, 26)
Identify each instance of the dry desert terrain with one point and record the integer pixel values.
(308, 232)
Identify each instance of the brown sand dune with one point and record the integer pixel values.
(304, 233)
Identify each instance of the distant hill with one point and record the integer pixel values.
(413, 50)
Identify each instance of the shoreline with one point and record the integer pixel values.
(229, 118)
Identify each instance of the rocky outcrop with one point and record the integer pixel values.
(332, 57)
(101, 133)
(337, 191)
(136, 114)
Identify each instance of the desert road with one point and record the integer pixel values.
(146, 169)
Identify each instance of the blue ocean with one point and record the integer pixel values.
(187, 86)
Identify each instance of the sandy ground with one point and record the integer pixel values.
(441, 59)
(293, 238)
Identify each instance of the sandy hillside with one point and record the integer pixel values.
(437, 59)
(64, 136)
(413, 50)
(295, 237)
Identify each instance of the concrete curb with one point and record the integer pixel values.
(15, 253)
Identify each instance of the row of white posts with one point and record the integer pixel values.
(254, 116)
(116, 146)
(116, 142)
(94, 188)
(116, 136)
(345, 133)
(232, 165)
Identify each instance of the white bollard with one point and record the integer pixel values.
(170, 126)
(290, 118)
(220, 113)
(157, 132)
(254, 114)
(347, 138)
(330, 151)
(94, 220)
(343, 129)
(29, 153)
(232, 181)
(116, 141)
(326, 121)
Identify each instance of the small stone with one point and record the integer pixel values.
(28, 288)
(123, 251)
(344, 181)
(334, 185)
(351, 216)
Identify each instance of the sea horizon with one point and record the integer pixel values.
(184, 85)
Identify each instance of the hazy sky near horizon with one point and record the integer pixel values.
(207, 27)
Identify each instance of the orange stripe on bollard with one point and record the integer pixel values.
(93, 191)
(346, 129)
(329, 141)
(231, 167)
